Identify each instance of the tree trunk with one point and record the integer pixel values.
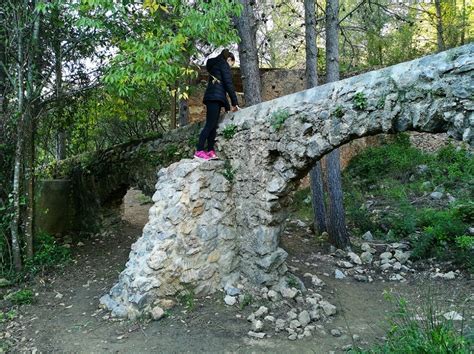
(30, 114)
(183, 113)
(315, 175)
(15, 222)
(61, 134)
(247, 29)
(439, 26)
(338, 235)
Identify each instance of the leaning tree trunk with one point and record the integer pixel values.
(247, 29)
(315, 175)
(338, 235)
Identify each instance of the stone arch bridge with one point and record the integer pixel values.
(214, 222)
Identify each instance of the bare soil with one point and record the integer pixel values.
(65, 316)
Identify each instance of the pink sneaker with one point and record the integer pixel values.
(212, 155)
(201, 155)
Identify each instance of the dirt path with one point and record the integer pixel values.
(66, 317)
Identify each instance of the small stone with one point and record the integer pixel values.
(280, 324)
(230, 300)
(289, 293)
(336, 333)
(269, 318)
(397, 266)
(291, 315)
(293, 336)
(167, 304)
(258, 335)
(257, 325)
(340, 253)
(368, 236)
(80, 244)
(421, 169)
(361, 278)
(232, 291)
(436, 195)
(396, 277)
(314, 314)
(328, 308)
(345, 264)
(295, 324)
(354, 258)
(386, 255)
(300, 336)
(307, 333)
(386, 266)
(471, 230)
(451, 199)
(450, 275)
(304, 318)
(157, 313)
(401, 256)
(365, 247)
(261, 311)
(366, 257)
(339, 274)
(453, 316)
(272, 295)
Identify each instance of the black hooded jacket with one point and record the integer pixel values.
(220, 82)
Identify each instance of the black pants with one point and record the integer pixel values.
(210, 129)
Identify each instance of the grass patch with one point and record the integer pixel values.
(187, 299)
(246, 301)
(21, 297)
(421, 330)
(278, 118)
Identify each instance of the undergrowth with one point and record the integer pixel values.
(387, 191)
(422, 330)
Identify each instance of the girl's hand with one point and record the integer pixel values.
(235, 108)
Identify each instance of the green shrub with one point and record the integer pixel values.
(359, 101)
(278, 118)
(338, 112)
(47, 253)
(397, 160)
(229, 131)
(21, 297)
(229, 172)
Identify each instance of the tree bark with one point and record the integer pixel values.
(338, 235)
(60, 134)
(315, 175)
(15, 222)
(439, 26)
(183, 113)
(247, 29)
(30, 114)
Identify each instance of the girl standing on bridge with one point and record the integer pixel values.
(220, 83)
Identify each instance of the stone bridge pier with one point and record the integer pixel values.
(214, 222)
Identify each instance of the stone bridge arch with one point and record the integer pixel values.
(214, 222)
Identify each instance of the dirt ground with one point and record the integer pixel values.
(66, 317)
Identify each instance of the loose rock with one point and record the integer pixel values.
(328, 308)
(354, 258)
(230, 300)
